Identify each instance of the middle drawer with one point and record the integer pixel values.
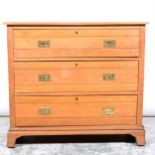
(60, 77)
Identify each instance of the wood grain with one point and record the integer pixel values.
(77, 43)
(77, 93)
(75, 24)
(141, 76)
(139, 134)
(11, 76)
(104, 32)
(76, 76)
(48, 54)
(65, 110)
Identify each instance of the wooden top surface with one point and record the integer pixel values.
(74, 23)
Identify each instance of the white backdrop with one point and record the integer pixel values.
(80, 10)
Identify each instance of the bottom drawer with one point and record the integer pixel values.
(75, 110)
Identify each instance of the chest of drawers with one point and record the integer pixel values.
(76, 78)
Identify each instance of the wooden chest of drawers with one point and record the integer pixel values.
(76, 78)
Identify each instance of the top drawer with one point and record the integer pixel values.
(61, 43)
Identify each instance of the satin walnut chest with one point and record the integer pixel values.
(76, 79)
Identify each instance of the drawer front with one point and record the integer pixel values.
(75, 110)
(60, 77)
(75, 43)
(78, 32)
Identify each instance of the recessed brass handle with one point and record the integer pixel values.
(109, 43)
(107, 111)
(43, 44)
(44, 77)
(44, 111)
(109, 76)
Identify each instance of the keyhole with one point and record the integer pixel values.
(76, 100)
(76, 32)
(76, 64)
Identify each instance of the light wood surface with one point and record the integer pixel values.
(104, 32)
(76, 43)
(139, 134)
(75, 23)
(76, 76)
(72, 110)
(141, 76)
(94, 88)
(11, 76)
(63, 54)
(60, 54)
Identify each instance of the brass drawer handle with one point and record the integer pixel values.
(43, 44)
(110, 76)
(109, 43)
(44, 111)
(107, 111)
(44, 77)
